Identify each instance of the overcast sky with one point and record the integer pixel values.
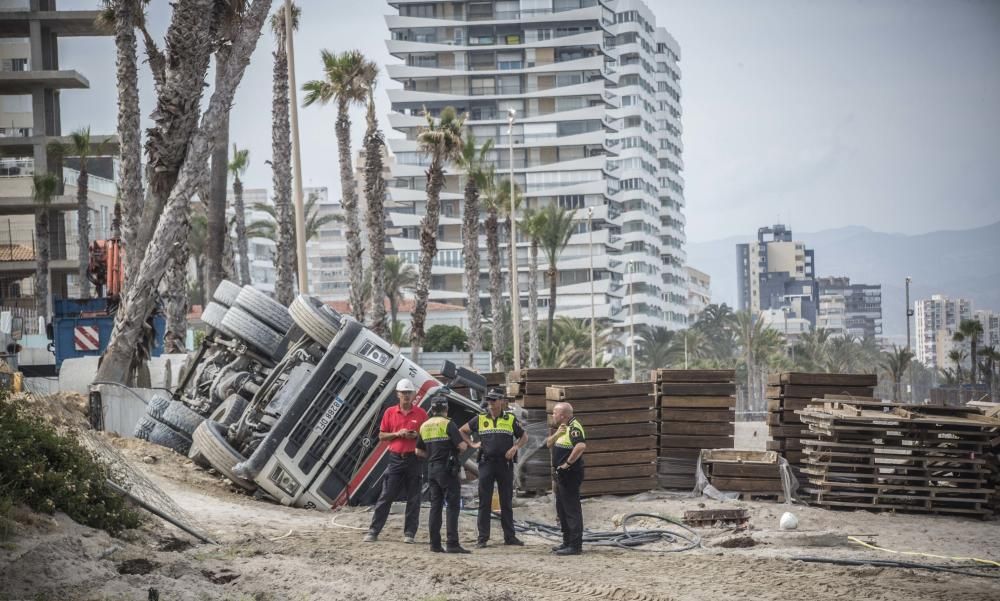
(880, 113)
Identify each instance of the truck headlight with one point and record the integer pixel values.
(282, 480)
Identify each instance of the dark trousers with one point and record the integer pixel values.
(444, 486)
(499, 472)
(402, 475)
(568, 506)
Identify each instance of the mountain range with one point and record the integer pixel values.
(955, 263)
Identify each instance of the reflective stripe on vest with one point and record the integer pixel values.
(501, 425)
(434, 429)
(564, 440)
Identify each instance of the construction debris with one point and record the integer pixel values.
(752, 473)
(620, 421)
(696, 410)
(707, 518)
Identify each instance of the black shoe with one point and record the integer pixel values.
(457, 549)
(437, 549)
(559, 547)
(569, 551)
(481, 544)
(514, 542)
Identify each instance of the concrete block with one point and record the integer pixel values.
(77, 374)
(123, 406)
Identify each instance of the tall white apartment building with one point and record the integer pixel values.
(595, 88)
(991, 327)
(936, 320)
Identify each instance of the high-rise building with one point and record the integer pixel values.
(594, 88)
(775, 272)
(846, 308)
(937, 319)
(30, 83)
(991, 327)
(699, 292)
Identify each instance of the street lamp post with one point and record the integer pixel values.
(300, 216)
(631, 316)
(909, 314)
(515, 297)
(593, 326)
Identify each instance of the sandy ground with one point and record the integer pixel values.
(272, 552)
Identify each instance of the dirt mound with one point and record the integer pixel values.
(64, 410)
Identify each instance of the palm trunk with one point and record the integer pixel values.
(470, 241)
(189, 44)
(972, 354)
(140, 300)
(83, 229)
(553, 274)
(428, 250)
(174, 293)
(281, 175)
(42, 217)
(394, 308)
(129, 122)
(492, 226)
(228, 260)
(241, 232)
(217, 222)
(352, 231)
(533, 304)
(375, 217)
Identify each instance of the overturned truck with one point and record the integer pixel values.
(286, 403)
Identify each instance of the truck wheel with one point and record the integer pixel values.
(249, 329)
(226, 292)
(318, 321)
(212, 315)
(264, 308)
(211, 443)
(235, 406)
(159, 433)
(181, 417)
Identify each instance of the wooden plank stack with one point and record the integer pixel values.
(792, 391)
(527, 387)
(919, 458)
(696, 410)
(620, 421)
(753, 473)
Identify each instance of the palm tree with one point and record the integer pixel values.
(45, 186)
(490, 196)
(399, 276)
(991, 360)
(657, 347)
(558, 228)
(896, 363)
(471, 160)
(758, 344)
(957, 356)
(533, 225)
(971, 330)
(346, 82)
(570, 344)
(398, 334)
(281, 162)
(812, 353)
(197, 245)
(80, 147)
(268, 228)
(237, 167)
(716, 323)
(690, 344)
(375, 199)
(442, 140)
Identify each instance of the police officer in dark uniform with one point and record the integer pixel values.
(500, 437)
(440, 443)
(568, 444)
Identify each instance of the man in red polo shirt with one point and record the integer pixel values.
(400, 425)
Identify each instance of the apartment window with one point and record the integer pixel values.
(483, 86)
(572, 201)
(423, 60)
(568, 79)
(480, 10)
(509, 60)
(425, 11)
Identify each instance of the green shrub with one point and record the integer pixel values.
(49, 472)
(442, 338)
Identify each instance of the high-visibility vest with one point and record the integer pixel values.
(564, 439)
(435, 429)
(501, 425)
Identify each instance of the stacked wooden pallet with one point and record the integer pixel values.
(753, 473)
(527, 388)
(620, 422)
(919, 458)
(696, 410)
(790, 392)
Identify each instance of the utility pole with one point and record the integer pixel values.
(515, 297)
(593, 326)
(300, 217)
(909, 314)
(631, 317)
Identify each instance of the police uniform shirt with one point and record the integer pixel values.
(439, 437)
(573, 435)
(496, 435)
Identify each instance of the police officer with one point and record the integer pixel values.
(500, 437)
(400, 424)
(568, 444)
(440, 443)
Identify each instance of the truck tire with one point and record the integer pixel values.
(181, 417)
(264, 308)
(235, 405)
(210, 442)
(212, 315)
(160, 433)
(249, 329)
(226, 292)
(318, 321)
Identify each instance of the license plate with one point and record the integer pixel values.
(328, 416)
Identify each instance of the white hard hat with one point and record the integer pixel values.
(405, 385)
